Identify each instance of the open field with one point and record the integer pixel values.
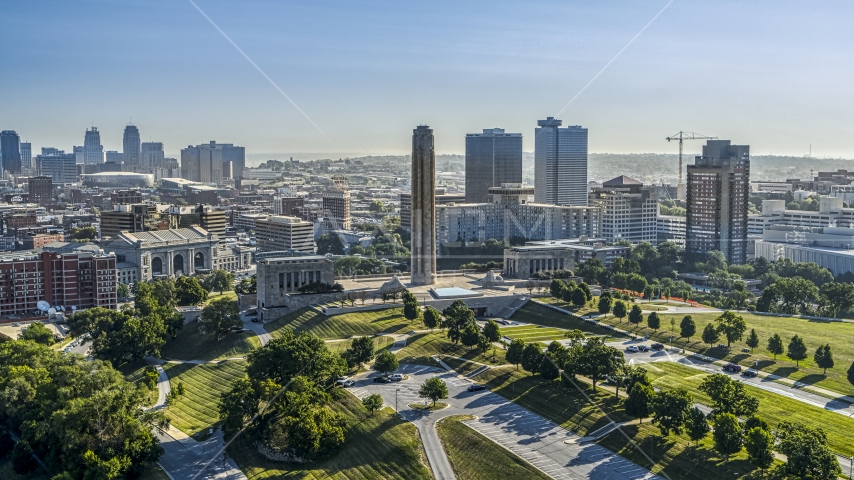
(346, 325)
(191, 344)
(378, 447)
(475, 457)
(773, 408)
(839, 335)
(540, 315)
(380, 343)
(197, 409)
(420, 347)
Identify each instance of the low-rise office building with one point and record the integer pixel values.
(281, 233)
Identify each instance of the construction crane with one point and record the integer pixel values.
(680, 187)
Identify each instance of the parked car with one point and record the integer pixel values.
(381, 380)
(643, 348)
(657, 346)
(16, 324)
(395, 377)
(732, 367)
(475, 387)
(632, 349)
(341, 380)
(348, 383)
(750, 373)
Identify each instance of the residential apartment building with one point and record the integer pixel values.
(281, 233)
(629, 210)
(493, 158)
(336, 209)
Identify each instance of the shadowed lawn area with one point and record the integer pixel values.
(134, 373)
(421, 346)
(378, 447)
(197, 410)
(154, 472)
(191, 344)
(541, 315)
(380, 343)
(839, 335)
(371, 322)
(773, 408)
(475, 457)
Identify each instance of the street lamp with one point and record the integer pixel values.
(395, 400)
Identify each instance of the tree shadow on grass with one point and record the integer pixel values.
(812, 378)
(784, 371)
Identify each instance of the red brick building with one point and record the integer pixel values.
(70, 280)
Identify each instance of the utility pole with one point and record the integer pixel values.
(395, 400)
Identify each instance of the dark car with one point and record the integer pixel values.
(732, 368)
(476, 388)
(643, 348)
(657, 346)
(750, 373)
(381, 380)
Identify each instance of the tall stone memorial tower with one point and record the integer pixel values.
(423, 260)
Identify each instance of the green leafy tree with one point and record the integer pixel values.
(806, 450)
(492, 331)
(556, 287)
(666, 294)
(238, 405)
(605, 302)
(710, 334)
(775, 345)
(598, 359)
(654, 321)
(850, 374)
(220, 281)
(578, 297)
(548, 367)
(732, 326)
(23, 462)
(620, 310)
(220, 316)
(329, 243)
(457, 316)
(410, 306)
(636, 315)
(760, 447)
(288, 355)
(189, 291)
(797, 350)
(671, 410)
(385, 362)
(628, 376)
(432, 318)
(38, 333)
(696, 425)
(122, 291)
(434, 388)
(687, 328)
(753, 339)
(483, 344)
(836, 297)
(118, 336)
(729, 396)
(824, 357)
(727, 435)
(531, 358)
(516, 352)
(372, 403)
(588, 295)
(470, 335)
(637, 404)
(360, 351)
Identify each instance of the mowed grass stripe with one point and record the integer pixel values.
(197, 409)
(343, 325)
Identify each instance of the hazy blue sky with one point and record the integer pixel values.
(774, 74)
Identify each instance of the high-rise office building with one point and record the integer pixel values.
(10, 149)
(79, 156)
(718, 190)
(151, 156)
(61, 167)
(26, 155)
(560, 163)
(131, 149)
(423, 258)
(493, 158)
(93, 151)
(204, 163)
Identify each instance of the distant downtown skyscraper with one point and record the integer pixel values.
(492, 158)
(423, 259)
(560, 163)
(93, 151)
(10, 149)
(717, 195)
(26, 155)
(131, 148)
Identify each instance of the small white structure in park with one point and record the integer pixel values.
(491, 280)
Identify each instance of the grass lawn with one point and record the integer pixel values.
(839, 335)
(475, 457)
(420, 347)
(534, 333)
(378, 447)
(133, 372)
(773, 408)
(197, 410)
(154, 472)
(191, 344)
(540, 315)
(227, 294)
(345, 325)
(380, 343)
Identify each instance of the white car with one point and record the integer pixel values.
(395, 377)
(632, 349)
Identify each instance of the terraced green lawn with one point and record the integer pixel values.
(371, 322)
(534, 333)
(422, 346)
(773, 408)
(475, 457)
(839, 335)
(196, 410)
(192, 344)
(541, 315)
(378, 447)
(380, 343)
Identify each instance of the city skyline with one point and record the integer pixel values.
(776, 64)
